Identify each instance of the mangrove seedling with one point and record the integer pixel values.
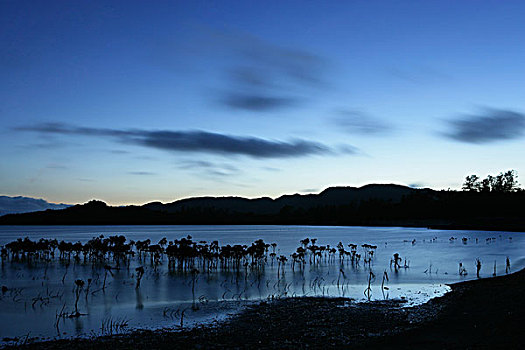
(462, 270)
(478, 267)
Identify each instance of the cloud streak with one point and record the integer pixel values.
(192, 141)
(257, 102)
(209, 168)
(490, 126)
(356, 122)
(141, 173)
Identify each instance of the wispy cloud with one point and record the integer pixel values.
(490, 126)
(55, 166)
(310, 190)
(418, 74)
(141, 173)
(263, 76)
(269, 168)
(207, 168)
(85, 180)
(357, 122)
(348, 149)
(192, 141)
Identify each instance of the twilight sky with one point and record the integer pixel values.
(136, 101)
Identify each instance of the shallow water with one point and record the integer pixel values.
(36, 292)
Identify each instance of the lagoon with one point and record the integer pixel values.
(36, 293)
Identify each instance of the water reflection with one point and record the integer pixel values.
(139, 305)
(169, 292)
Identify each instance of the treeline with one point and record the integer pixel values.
(502, 183)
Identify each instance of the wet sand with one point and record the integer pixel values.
(481, 314)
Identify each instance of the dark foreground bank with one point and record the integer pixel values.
(486, 314)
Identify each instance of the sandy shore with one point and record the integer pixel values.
(485, 313)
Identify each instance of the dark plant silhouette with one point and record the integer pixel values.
(462, 270)
(502, 183)
(478, 267)
(396, 261)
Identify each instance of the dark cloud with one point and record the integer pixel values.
(257, 102)
(490, 126)
(192, 141)
(356, 122)
(201, 141)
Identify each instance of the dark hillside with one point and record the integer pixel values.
(371, 205)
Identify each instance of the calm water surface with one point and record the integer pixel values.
(36, 292)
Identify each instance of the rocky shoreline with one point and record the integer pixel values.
(485, 313)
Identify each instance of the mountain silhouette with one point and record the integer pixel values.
(370, 205)
(19, 204)
(266, 205)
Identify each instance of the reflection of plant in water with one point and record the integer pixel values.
(140, 272)
(194, 275)
(236, 271)
(112, 326)
(107, 269)
(79, 284)
(341, 273)
(45, 299)
(368, 290)
(282, 261)
(88, 286)
(182, 318)
(383, 287)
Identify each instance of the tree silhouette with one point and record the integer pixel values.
(471, 183)
(502, 183)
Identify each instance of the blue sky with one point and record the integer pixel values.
(134, 101)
